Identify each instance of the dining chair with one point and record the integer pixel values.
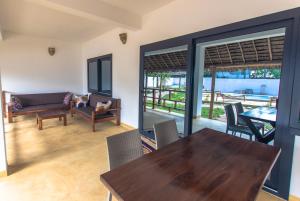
(123, 148)
(263, 138)
(239, 109)
(232, 123)
(165, 133)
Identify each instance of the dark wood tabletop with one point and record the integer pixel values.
(206, 166)
(266, 114)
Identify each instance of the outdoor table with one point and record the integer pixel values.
(264, 114)
(208, 165)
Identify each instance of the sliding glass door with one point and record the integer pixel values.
(164, 88)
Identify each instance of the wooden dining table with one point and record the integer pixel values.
(206, 166)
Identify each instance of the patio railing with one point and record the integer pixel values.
(152, 98)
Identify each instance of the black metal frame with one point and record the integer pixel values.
(98, 60)
(285, 137)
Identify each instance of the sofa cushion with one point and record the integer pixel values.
(38, 108)
(98, 98)
(87, 111)
(40, 99)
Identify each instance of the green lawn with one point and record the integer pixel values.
(176, 96)
(217, 112)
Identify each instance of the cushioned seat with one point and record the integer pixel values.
(33, 103)
(37, 108)
(87, 111)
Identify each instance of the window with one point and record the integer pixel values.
(99, 71)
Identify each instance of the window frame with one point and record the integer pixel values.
(98, 59)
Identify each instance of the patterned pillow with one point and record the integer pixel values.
(17, 104)
(103, 107)
(68, 98)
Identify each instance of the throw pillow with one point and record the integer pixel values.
(67, 98)
(17, 104)
(102, 107)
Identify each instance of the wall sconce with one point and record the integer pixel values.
(123, 37)
(51, 51)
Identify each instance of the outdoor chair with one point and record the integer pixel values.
(232, 123)
(239, 109)
(123, 148)
(263, 138)
(165, 133)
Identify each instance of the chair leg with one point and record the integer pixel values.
(109, 196)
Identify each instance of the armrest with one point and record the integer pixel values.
(72, 104)
(10, 106)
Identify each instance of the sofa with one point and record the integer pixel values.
(33, 103)
(90, 114)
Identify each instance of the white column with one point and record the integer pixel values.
(3, 160)
(198, 80)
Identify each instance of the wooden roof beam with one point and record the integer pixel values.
(219, 54)
(242, 52)
(209, 56)
(255, 50)
(270, 49)
(229, 54)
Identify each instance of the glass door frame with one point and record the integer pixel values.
(160, 46)
(290, 20)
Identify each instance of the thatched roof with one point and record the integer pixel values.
(258, 53)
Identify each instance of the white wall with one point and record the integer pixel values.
(27, 67)
(177, 18)
(3, 161)
(230, 85)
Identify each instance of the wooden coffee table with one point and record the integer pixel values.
(40, 116)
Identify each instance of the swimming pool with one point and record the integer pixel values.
(253, 97)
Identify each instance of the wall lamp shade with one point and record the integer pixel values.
(51, 51)
(123, 37)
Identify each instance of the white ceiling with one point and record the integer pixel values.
(140, 7)
(78, 22)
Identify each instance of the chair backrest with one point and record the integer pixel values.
(239, 107)
(231, 120)
(165, 133)
(123, 148)
(40, 99)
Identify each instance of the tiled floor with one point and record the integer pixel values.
(58, 163)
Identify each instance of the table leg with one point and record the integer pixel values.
(65, 120)
(59, 118)
(40, 124)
